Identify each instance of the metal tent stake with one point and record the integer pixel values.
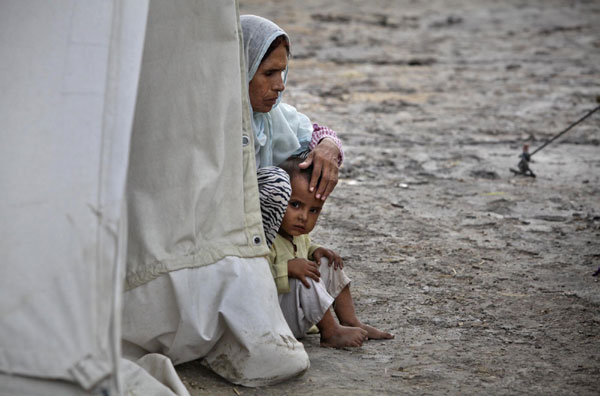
(526, 156)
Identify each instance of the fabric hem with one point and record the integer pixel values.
(208, 257)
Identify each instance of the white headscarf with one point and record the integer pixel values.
(282, 131)
(258, 33)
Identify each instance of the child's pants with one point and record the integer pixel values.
(303, 307)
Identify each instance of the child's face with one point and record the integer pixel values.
(302, 211)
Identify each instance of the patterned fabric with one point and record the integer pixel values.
(321, 132)
(274, 191)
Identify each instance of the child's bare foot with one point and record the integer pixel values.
(376, 334)
(344, 309)
(342, 336)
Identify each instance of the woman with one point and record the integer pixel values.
(280, 131)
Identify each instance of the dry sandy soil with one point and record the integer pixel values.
(484, 277)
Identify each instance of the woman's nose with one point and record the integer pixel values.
(279, 85)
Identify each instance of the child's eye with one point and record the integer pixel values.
(314, 210)
(294, 205)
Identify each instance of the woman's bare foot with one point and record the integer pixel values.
(343, 336)
(376, 334)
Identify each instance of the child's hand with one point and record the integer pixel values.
(333, 257)
(300, 268)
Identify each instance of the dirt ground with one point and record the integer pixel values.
(484, 277)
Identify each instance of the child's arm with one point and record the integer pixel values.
(333, 257)
(300, 268)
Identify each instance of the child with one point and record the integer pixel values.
(306, 289)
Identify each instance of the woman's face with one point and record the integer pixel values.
(267, 83)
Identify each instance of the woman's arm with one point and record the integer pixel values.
(326, 156)
(321, 132)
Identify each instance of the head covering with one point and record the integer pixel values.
(282, 131)
(258, 33)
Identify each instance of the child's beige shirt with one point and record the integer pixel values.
(282, 251)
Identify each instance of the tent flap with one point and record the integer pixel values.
(69, 81)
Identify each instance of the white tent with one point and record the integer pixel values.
(69, 76)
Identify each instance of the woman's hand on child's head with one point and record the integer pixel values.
(300, 269)
(324, 159)
(332, 256)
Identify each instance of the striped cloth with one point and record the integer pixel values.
(274, 191)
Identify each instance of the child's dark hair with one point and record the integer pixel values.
(291, 167)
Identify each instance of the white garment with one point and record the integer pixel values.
(303, 307)
(280, 133)
(227, 313)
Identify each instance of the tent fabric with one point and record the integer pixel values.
(69, 73)
(136, 376)
(192, 190)
(152, 375)
(70, 95)
(198, 283)
(14, 385)
(227, 313)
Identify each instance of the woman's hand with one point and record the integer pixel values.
(332, 256)
(324, 159)
(300, 268)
